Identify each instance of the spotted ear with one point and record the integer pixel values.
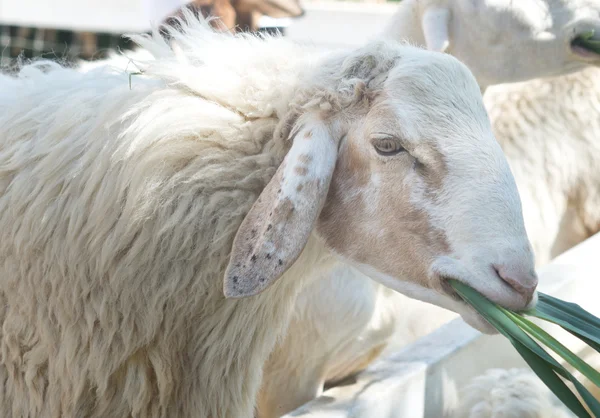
(435, 23)
(275, 231)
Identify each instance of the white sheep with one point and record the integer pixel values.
(509, 393)
(548, 128)
(143, 230)
(502, 41)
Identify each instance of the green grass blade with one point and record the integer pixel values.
(551, 379)
(589, 399)
(131, 75)
(551, 342)
(542, 364)
(574, 329)
(589, 342)
(554, 306)
(501, 322)
(570, 317)
(562, 392)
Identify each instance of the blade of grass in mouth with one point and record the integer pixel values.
(542, 364)
(549, 341)
(586, 41)
(570, 317)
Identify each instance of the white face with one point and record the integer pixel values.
(512, 40)
(408, 184)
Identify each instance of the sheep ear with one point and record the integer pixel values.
(435, 22)
(275, 231)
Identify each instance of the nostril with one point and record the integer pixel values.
(524, 283)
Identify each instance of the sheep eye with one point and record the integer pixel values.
(387, 146)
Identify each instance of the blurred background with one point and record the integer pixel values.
(86, 29)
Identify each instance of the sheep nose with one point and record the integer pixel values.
(523, 282)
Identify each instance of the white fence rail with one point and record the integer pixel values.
(423, 379)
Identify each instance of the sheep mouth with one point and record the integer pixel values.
(586, 45)
(469, 314)
(449, 290)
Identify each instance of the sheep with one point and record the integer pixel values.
(511, 393)
(347, 321)
(517, 393)
(492, 36)
(153, 239)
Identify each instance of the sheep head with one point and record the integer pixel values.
(395, 167)
(504, 41)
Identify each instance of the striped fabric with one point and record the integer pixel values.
(65, 45)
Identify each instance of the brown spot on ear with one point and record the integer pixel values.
(301, 171)
(254, 270)
(308, 135)
(282, 235)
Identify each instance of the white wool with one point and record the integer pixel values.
(513, 393)
(97, 181)
(548, 129)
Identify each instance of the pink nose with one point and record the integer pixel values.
(524, 282)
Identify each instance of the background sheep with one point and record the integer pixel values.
(492, 36)
(128, 215)
(514, 393)
(548, 128)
